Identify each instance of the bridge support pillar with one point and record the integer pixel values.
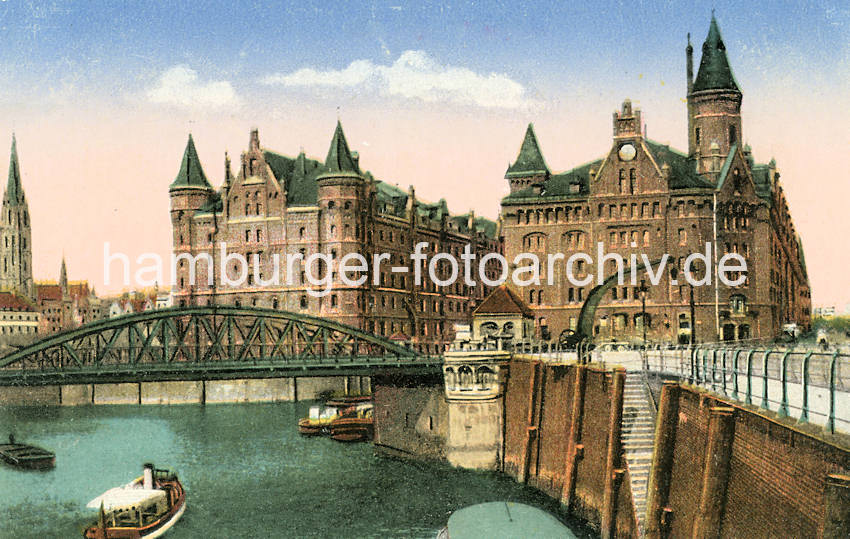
(721, 427)
(837, 501)
(613, 470)
(474, 384)
(662, 461)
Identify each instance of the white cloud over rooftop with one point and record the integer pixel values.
(181, 86)
(414, 75)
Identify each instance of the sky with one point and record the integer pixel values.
(102, 96)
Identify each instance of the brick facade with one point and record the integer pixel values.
(288, 206)
(644, 197)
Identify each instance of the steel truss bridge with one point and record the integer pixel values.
(208, 343)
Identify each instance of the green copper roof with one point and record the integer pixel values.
(392, 197)
(727, 164)
(339, 160)
(14, 190)
(714, 71)
(191, 174)
(530, 159)
(761, 178)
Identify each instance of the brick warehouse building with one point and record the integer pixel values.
(284, 205)
(645, 197)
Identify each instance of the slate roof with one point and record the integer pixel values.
(297, 176)
(761, 178)
(683, 174)
(503, 300)
(572, 183)
(191, 173)
(714, 71)
(530, 159)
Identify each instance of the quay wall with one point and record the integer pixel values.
(557, 432)
(411, 416)
(185, 392)
(738, 471)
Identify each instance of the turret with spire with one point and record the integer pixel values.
(16, 248)
(714, 103)
(530, 168)
(189, 191)
(343, 199)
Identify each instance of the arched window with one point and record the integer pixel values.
(485, 377)
(489, 329)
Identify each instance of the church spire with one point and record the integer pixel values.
(63, 278)
(14, 190)
(530, 160)
(714, 71)
(191, 173)
(339, 159)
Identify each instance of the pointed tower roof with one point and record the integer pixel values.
(14, 190)
(714, 71)
(530, 159)
(339, 160)
(63, 277)
(191, 173)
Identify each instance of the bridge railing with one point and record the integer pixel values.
(813, 386)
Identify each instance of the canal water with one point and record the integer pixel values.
(247, 472)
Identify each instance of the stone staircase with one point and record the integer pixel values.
(638, 435)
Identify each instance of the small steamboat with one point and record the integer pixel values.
(146, 507)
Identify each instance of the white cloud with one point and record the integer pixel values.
(415, 75)
(179, 85)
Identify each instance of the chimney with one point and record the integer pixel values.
(147, 476)
(254, 143)
(689, 53)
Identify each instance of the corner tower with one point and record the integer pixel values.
(16, 274)
(343, 199)
(188, 192)
(714, 104)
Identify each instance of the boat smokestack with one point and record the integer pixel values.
(147, 477)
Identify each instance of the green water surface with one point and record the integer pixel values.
(247, 472)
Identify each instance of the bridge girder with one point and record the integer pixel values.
(197, 343)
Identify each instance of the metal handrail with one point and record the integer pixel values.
(780, 380)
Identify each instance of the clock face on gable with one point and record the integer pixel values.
(627, 152)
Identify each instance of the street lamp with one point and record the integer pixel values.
(643, 291)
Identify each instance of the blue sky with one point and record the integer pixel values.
(436, 95)
(544, 46)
